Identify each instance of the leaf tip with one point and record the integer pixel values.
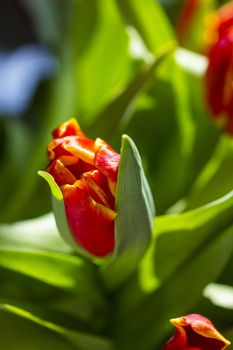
(56, 192)
(126, 141)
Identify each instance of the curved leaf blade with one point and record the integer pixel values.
(177, 296)
(59, 270)
(120, 107)
(80, 340)
(134, 222)
(45, 235)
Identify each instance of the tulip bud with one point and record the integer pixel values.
(86, 173)
(195, 332)
(104, 213)
(219, 75)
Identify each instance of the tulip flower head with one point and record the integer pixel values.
(219, 75)
(86, 172)
(195, 332)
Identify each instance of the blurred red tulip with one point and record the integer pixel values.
(86, 172)
(185, 18)
(219, 75)
(195, 332)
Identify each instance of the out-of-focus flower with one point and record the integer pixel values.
(20, 73)
(195, 332)
(186, 17)
(219, 74)
(86, 172)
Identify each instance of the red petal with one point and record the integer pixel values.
(107, 162)
(92, 180)
(55, 149)
(80, 147)
(91, 224)
(225, 14)
(69, 128)
(60, 173)
(219, 76)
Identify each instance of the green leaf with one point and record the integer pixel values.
(59, 270)
(169, 135)
(148, 18)
(103, 63)
(113, 118)
(175, 297)
(180, 236)
(188, 252)
(45, 235)
(73, 339)
(176, 240)
(55, 189)
(209, 148)
(17, 150)
(67, 307)
(215, 180)
(135, 211)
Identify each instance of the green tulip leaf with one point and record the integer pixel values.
(120, 107)
(56, 192)
(66, 306)
(52, 339)
(177, 296)
(188, 252)
(45, 235)
(63, 271)
(176, 240)
(182, 235)
(134, 221)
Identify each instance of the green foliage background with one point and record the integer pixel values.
(120, 71)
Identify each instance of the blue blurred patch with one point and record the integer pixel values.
(20, 73)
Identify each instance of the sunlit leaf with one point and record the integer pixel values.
(135, 211)
(178, 295)
(102, 64)
(115, 116)
(79, 340)
(45, 235)
(56, 269)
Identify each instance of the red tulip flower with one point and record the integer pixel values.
(219, 75)
(86, 172)
(195, 332)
